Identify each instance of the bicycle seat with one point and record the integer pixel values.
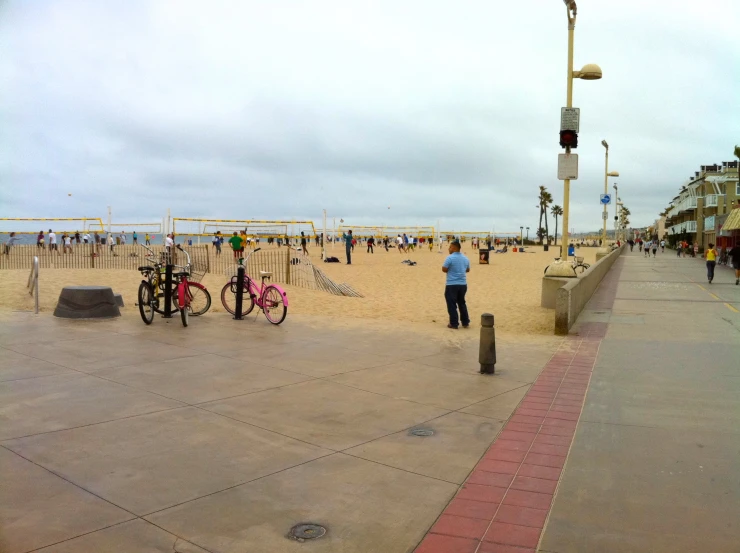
(145, 268)
(265, 274)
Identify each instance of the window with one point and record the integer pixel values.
(737, 188)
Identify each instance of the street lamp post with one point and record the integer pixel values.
(521, 235)
(589, 72)
(607, 174)
(527, 234)
(616, 193)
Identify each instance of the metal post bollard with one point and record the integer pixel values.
(487, 351)
(167, 292)
(239, 292)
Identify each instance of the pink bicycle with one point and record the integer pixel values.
(271, 298)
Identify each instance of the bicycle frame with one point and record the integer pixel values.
(257, 293)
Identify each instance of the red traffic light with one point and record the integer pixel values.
(568, 139)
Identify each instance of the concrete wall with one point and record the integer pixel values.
(574, 295)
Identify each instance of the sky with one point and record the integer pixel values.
(382, 113)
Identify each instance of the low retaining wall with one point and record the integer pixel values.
(573, 296)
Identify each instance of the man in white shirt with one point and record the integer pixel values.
(123, 239)
(86, 238)
(110, 241)
(52, 241)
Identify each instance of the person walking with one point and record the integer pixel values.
(147, 240)
(217, 242)
(735, 257)
(370, 244)
(655, 248)
(303, 243)
(53, 242)
(40, 240)
(110, 241)
(662, 246)
(456, 266)
(711, 257)
(348, 239)
(136, 239)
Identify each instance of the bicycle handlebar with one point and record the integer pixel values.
(244, 261)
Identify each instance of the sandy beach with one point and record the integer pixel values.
(509, 287)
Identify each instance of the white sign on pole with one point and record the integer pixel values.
(570, 119)
(605, 215)
(567, 166)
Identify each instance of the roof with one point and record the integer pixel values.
(733, 220)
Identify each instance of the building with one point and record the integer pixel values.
(696, 213)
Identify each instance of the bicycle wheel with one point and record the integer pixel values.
(273, 306)
(146, 308)
(579, 268)
(184, 312)
(200, 299)
(228, 299)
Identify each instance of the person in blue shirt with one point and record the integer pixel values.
(456, 266)
(348, 245)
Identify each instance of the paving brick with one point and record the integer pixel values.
(498, 453)
(527, 420)
(472, 509)
(538, 485)
(522, 516)
(437, 543)
(524, 498)
(549, 449)
(553, 440)
(522, 427)
(545, 460)
(488, 547)
(503, 467)
(538, 471)
(462, 527)
(512, 534)
(475, 492)
(511, 444)
(527, 411)
(485, 478)
(527, 437)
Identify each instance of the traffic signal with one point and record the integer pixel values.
(568, 139)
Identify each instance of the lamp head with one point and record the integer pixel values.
(604, 144)
(589, 72)
(613, 174)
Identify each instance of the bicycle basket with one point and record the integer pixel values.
(198, 270)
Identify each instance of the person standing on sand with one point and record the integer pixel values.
(40, 240)
(370, 244)
(348, 239)
(236, 244)
(147, 240)
(303, 243)
(456, 266)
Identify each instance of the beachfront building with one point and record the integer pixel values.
(696, 213)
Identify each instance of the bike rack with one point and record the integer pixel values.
(33, 283)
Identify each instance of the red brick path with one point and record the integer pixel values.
(503, 505)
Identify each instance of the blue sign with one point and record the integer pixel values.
(606, 199)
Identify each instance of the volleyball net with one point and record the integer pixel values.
(252, 227)
(32, 225)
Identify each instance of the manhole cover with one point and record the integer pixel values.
(422, 432)
(307, 531)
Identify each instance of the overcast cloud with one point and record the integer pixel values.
(438, 110)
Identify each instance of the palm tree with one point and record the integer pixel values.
(557, 211)
(540, 200)
(547, 200)
(737, 152)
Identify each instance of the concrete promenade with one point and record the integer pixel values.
(629, 439)
(220, 437)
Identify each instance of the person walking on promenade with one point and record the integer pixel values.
(662, 246)
(711, 257)
(735, 257)
(348, 239)
(456, 266)
(655, 248)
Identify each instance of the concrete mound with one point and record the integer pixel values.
(87, 302)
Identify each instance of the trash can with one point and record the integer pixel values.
(483, 257)
(571, 250)
(547, 247)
